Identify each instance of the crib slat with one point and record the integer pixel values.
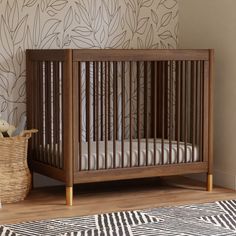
(96, 114)
(166, 81)
(94, 101)
(186, 110)
(201, 108)
(159, 101)
(34, 88)
(96, 85)
(146, 107)
(56, 109)
(182, 101)
(101, 99)
(44, 77)
(130, 112)
(163, 113)
(48, 114)
(61, 92)
(170, 109)
(138, 109)
(46, 107)
(193, 106)
(80, 113)
(178, 78)
(106, 112)
(40, 105)
(197, 123)
(155, 110)
(109, 101)
(88, 115)
(159, 112)
(31, 88)
(114, 112)
(123, 110)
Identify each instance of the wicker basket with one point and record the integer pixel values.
(15, 177)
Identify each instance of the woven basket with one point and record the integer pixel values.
(15, 177)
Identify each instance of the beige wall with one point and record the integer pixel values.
(212, 24)
(75, 24)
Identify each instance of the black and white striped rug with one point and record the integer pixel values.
(209, 219)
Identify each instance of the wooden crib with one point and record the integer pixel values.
(106, 115)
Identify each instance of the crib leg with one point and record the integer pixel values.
(69, 196)
(209, 182)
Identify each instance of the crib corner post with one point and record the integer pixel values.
(210, 126)
(69, 196)
(68, 133)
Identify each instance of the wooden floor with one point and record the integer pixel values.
(90, 199)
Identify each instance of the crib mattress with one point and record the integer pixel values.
(118, 156)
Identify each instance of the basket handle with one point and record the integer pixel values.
(28, 133)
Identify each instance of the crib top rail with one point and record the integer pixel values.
(120, 54)
(139, 55)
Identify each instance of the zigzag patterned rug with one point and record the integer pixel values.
(210, 219)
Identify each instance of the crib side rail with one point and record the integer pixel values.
(125, 98)
(49, 109)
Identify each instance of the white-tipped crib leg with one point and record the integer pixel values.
(69, 196)
(209, 182)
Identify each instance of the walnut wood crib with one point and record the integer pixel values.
(106, 115)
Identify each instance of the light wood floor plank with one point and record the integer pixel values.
(90, 199)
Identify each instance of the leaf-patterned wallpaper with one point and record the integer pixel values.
(75, 24)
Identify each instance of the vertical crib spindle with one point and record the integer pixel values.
(178, 64)
(155, 110)
(37, 92)
(146, 108)
(56, 109)
(201, 108)
(88, 115)
(163, 113)
(94, 101)
(106, 112)
(97, 112)
(130, 111)
(197, 123)
(60, 94)
(40, 105)
(43, 74)
(181, 101)
(138, 109)
(80, 114)
(109, 101)
(48, 110)
(114, 112)
(123, 110)
(186, 110)
(193, 106)
(170, 109)
(101, 99)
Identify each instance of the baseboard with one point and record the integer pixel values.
(220, 178)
